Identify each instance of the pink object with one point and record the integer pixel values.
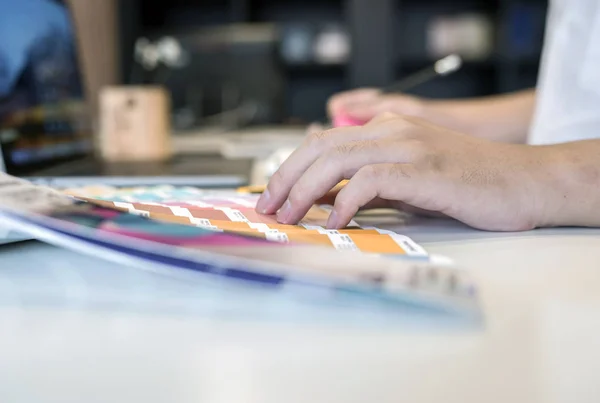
(344, 120)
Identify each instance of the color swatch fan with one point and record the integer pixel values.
(234, 212)
(167, 235)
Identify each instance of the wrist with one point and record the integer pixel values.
(524, 183)
(539, 189)
(566, 186)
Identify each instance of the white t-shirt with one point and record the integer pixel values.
(568, 91)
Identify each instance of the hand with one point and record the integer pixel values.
(403, 161)
(329, 197)
(364, 104)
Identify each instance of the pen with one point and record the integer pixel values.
(442, 67)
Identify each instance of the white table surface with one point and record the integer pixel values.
(77, 329)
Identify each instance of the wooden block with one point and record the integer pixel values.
(135, 124)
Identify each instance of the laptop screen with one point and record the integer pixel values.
(43, 120)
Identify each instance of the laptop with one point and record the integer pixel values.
(45, 134)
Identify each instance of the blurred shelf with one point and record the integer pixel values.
(308, 68)
(383, 49)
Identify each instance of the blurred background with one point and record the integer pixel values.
(257, 62)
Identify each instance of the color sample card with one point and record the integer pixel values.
(230, 211)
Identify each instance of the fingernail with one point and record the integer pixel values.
(333, 220)
(263, 202)
(284, 213)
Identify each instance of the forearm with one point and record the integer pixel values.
(504, 118)
(570, 184)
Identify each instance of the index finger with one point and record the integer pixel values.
(294, 166)
(304, 156)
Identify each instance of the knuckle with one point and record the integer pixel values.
(313, 128)
(388, 122)
(406, 122)
(369, 172)
(277, 181)
(342, 151)
(297, 195)
(407, 129)
(277, 178)
(316, 137)
(401, 171)
(344, 203)
(319, 140)
(387, 116)
(390, 103)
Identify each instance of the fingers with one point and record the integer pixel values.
(364, 104)
(329, 199)
(338, 103)
(294, 166)
(400, 104)
(304, 156)
(383, 118)
(399, 182)
(339, 163)
(366, 109)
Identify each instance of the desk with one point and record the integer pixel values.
(77, 329)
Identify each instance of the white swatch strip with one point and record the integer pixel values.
(342, 242)
(277, 236)
(233, 215)
(409, 246)
(131, 209)
(181, 211)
